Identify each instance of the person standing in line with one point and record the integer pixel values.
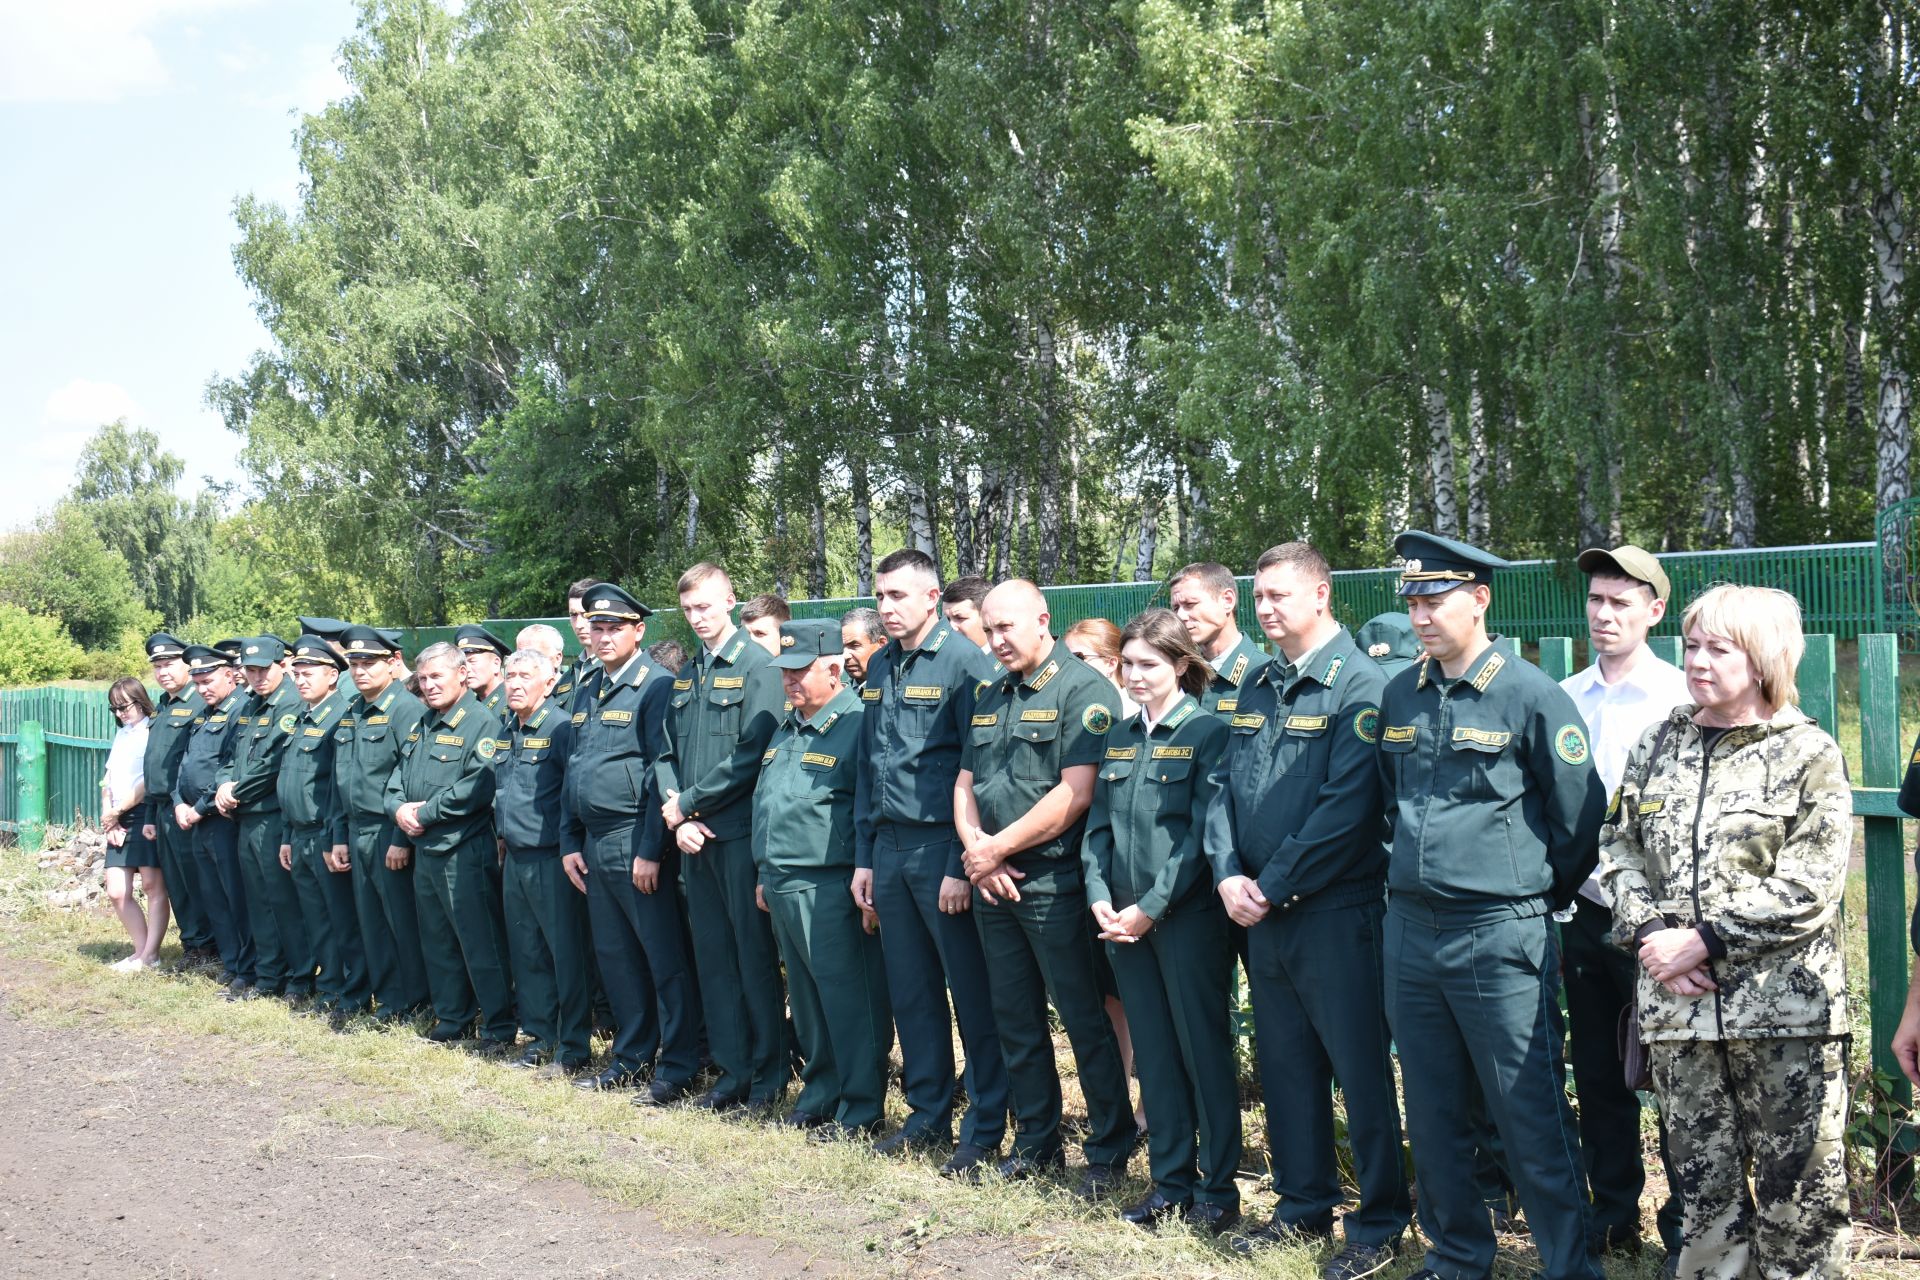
(173, 719)
(1204, 597)
(131, 850)
(216, 852)
(961, 603)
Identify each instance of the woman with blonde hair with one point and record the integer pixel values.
(123, 806)
(1724, 856)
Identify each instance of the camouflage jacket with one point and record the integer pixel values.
(1754, 849)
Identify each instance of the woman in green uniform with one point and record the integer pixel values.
(1166, 934)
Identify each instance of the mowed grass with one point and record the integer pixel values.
(845, 1210)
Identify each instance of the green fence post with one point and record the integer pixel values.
(1880, 747)
(1667, 647)
(1556, 656)
(1819, 697)
(30, 806)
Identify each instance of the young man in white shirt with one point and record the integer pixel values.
(1627, 690)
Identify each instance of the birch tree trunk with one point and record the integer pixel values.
(1046, 515)
(817, 559)
(862, 525)
(1893, 437)
(1446, 502)
(693, 520)
(920, 519)
(1479, 469)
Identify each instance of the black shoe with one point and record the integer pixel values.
(533, 1057)
(966, 1162)
(490, 1047)
(1018, 1168)
(337, 1019)
(804, 1120)
(1211, 1219)
(1153, 1210)
(1358, 1261)
(1277, 1235)
(1100, 1181)
(240, 989)
(717, 1102)
(903, 1141)
(443, 1035)
(1614, 1240)
(662, 1093)
(614, 1077)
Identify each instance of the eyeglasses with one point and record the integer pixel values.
(118, 707)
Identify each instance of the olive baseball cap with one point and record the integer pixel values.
(1627, 561)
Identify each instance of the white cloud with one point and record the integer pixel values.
(41, 466)
(84, 405)
(86, 50)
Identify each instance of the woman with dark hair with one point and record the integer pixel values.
(1152, 896)
(123, 805)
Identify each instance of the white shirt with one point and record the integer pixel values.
(1618, 715)
(126, 761)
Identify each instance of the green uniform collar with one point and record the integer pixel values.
(320, 712)
(1233, 666)
(931, 645)
(843, 701)
(1183, 711)
(539, 717)
(1323, 664)
(456, 715)
(633, 672)
(1043, 672)
(729, 652)
(1479, 674)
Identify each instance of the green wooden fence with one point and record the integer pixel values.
(79, 729)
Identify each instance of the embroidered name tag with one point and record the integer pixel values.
(579, 718)
(376, 719)
(814, 757)
(771, 753)
(924, 691)
(616, 717)
(683, 684)
(449, 740)
(312, 732)
(1399, 733)
(346, 722)
(1040, 715)
(1652, 806)
(1227, 704)
(536, 744)
(729, 682)
(1122, 753)
(1483, 737)
(981, 722)
(1173, 753)
(182, 711)
(1249, 722)
(1306, 722)
(219, 719)
(870, 695)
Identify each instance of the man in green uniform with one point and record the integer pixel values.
(1204, 596)
(614, 849)
(573, 678)
(1299, 858)
(803, 838)
(1020, 805)
(173, 718)
(309, 800)
(368, 734)
(216, 851)
(283, 952)
(481, 656)
(441, 797)
(546, 916)
(863, 635)
(726, 703)
(1493, 807)
(918, 696)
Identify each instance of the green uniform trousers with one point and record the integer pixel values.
(326, 904)
(1757, 1130)
(389, 929)
(1038, 948)
(1174, 982)
(1467, 987)
(283, 954)
(547, 940)
(836, 986)
(1319, 1018)
(181, 873)
(461, 939)
(739, 970)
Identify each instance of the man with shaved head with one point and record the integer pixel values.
(1020, 804)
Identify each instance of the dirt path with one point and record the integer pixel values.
(120, 1160)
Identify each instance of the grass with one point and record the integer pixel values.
(837, 1205)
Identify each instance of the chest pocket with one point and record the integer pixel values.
(1752, 828)
(1035, 749)
(1303, 742)
(723, 710)
(1174, 771)
(1482, 760)
(918, 712)
(1116, 771)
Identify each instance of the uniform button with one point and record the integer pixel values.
(1296, 897)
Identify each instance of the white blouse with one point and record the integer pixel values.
(126, 762)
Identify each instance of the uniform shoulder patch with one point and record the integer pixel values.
(1570, 744)
(1096, 718)
(485, 748)
(1366, 725)
(287, 722)
(1613, 805)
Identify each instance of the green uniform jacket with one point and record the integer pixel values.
(619, 733)
(447, 765)
(571, 679)
(496, 702)
(725, 708)
(803, 801)
(307, 787)
(1909, 802)
(1024, 732)
(209, 749)
(1149, 806)
(264, 730)
(1298, 805)
(1230, 675)
(918, 704)
(529, 777)
(1751, 846)
(1490, 786)
(366, 746)
(173, 721)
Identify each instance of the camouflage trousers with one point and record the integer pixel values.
(1755, 1128)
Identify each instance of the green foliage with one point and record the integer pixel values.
(125, 488)
(33, 648)
(61, 569)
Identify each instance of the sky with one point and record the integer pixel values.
(127, 130)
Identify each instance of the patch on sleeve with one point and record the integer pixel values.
(287, 722)
(1570, 744)
(1613, 805)
(1096, 718)
(485, 748)
(1366, 725)
(870, 695)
